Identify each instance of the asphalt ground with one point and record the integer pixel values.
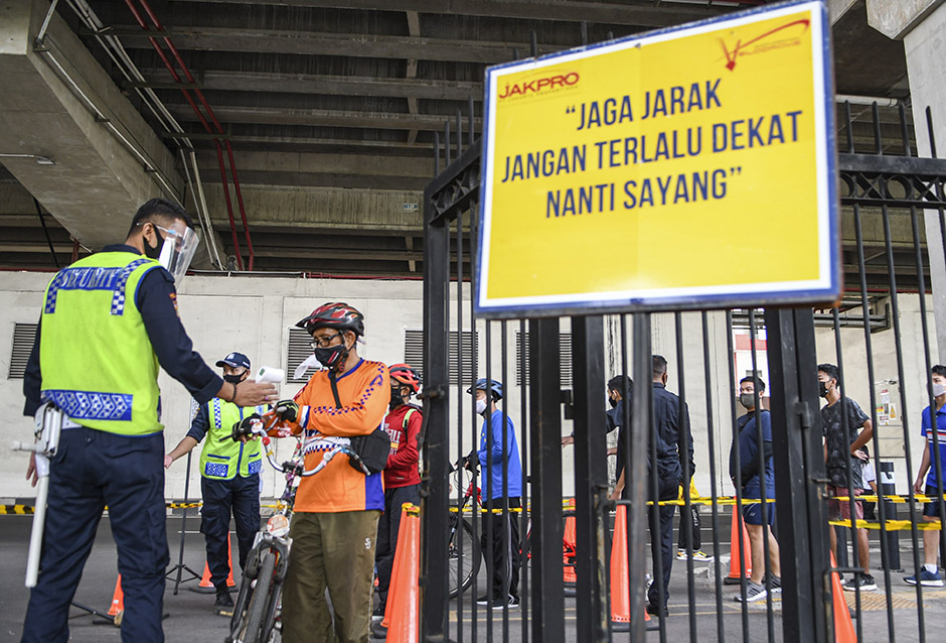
(191, 619)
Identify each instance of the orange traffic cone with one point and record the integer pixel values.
(118, 598)
(568, 557)
(405, 620)
(117, 609)
(738, 546)
(620, 584)
(205, 586)
(394, 585)
(843, 626)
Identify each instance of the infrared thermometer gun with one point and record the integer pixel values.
(270, 375)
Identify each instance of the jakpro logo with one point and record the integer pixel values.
(540, 84)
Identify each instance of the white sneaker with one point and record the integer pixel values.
(754, 593)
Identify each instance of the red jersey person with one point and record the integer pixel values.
(336, 513)
(401, 474)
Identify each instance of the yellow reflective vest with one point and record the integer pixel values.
(95, 356)
(221, 457)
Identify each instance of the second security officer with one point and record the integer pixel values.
(229, 478)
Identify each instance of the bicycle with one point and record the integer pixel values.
(256, 613)
(462, 546)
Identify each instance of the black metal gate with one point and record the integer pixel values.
(556, 370)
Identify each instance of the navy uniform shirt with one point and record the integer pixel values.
(157, 301)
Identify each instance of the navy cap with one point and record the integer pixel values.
(235, 360)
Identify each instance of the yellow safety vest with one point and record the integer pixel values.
(222, 459)
(95, 356)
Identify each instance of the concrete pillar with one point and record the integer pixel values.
(921, 24)
(95, 182)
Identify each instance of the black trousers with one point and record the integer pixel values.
(502, 540)
(694, 525)
(661, 542)
(388, 528)
(93, 469)
(241, 496)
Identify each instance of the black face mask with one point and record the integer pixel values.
(396, 400)
(613, 402)
(822, 389)
(234, 379)
(332, 357)
(155, 252)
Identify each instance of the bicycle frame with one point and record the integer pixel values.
(274, 538)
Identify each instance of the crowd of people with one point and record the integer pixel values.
(110, 320)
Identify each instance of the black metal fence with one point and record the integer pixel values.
(560, 579)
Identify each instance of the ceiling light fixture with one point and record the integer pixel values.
(39, 158)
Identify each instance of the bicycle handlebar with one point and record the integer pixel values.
(260, 428)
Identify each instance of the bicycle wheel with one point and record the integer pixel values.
(260, 601)
(461, 555)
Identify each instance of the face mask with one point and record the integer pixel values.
(481, 406)
(233, 379)
(154, 252)
(333, 356)
(396, 400)
(747, 400)
(822, 389)
(939, 389)
(613, 402)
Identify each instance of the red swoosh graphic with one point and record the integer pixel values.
(731, 56)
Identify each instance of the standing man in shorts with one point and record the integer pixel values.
(747, 441)
(842, 453)
(929, 576)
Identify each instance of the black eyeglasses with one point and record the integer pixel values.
(323, 342)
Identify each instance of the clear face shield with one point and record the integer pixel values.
(178, 251)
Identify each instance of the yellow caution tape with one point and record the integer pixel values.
(21, 510)
(892, 525)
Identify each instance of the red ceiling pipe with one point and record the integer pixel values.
(213, 117)
(203, 121)
(239, 195)
(226, 194)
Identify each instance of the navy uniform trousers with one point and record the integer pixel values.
(93, 469)
(220, 496)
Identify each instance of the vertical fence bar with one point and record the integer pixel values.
(895, 308)
(800, 471)
(763, 488)
(737, 479)
(548, 603)
(685, 448)
(486, 473)
(461, 564)
(882, 507)
(525, 519)
(708, 379)
(434, 500)
(591, 479)
(641, 428)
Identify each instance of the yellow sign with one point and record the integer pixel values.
(688, 168)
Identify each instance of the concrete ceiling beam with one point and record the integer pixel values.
(305, 209)
(309, 43)
(324, 84)
(643, 13)
(322, 117)
(304, 163)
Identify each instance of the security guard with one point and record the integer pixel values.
(229, 478)
(107, 322)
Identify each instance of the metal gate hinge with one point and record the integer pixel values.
(804, 414)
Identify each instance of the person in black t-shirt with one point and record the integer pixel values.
(841, 419)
